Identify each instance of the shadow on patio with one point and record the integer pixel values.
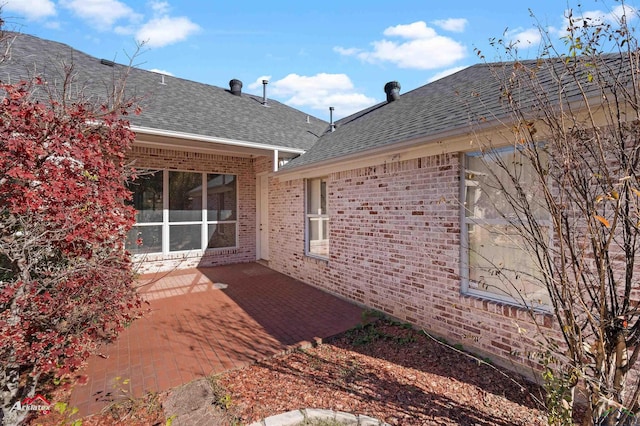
(208, 320)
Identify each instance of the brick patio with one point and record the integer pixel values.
(206, 321)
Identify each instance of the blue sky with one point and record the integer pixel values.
(314, 54)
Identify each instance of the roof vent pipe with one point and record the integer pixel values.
(236, 87)
(333, 126)
(264, 91)
(392, 89)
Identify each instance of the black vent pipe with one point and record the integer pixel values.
(236, 87)
(392, 89)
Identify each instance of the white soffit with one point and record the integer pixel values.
(165, 139)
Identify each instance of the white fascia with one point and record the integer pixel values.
(202, 138)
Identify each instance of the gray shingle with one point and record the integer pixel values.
(447, 106)
(179, 105)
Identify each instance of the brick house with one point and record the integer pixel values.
(370, 212)
(206, 153)
(387, 183)
(386, 210)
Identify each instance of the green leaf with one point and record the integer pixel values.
(60, 407)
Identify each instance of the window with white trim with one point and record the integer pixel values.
(182, 211)
(317, 218)
(496, 261)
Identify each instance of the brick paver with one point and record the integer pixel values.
(208, 320)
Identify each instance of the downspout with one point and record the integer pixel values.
(275, 160)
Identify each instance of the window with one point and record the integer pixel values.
(147, 194)
(496, 262)
(181, 211)
(317, 219)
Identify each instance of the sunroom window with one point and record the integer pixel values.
(497, 263)
(182, 211)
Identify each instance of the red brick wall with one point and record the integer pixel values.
(263, 164)
(395, 247)
(154, 158)
(286, 234)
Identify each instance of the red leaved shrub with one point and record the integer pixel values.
(66, 281)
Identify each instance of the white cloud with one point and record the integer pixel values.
(423, 48)
(33, 10)
(456, 25)
(344, 103)
(628, 12)
(418, 29)
(294, 83)
(100, 13)
(160, 30)
(318, 92)
(159, 71)
(599, 17)
(346, 52)
(258, 82)
(445, 73)
(159, 7)
(166, 30)
(525, 38)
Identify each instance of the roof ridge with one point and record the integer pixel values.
(139, 69)
(180, 105)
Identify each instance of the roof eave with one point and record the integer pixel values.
(232, 143)
(378, 155)
(452, 140)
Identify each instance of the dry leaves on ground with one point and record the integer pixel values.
(387, 371)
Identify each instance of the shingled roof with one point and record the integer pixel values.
(437, 108)
(169, 103)
(444, 108)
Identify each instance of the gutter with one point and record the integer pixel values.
(202, 138)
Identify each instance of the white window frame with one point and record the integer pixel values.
(467, 287)
(204, 222)
(309, 217)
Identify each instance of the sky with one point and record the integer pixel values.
(315, 54)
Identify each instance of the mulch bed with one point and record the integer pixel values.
(388, 371)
